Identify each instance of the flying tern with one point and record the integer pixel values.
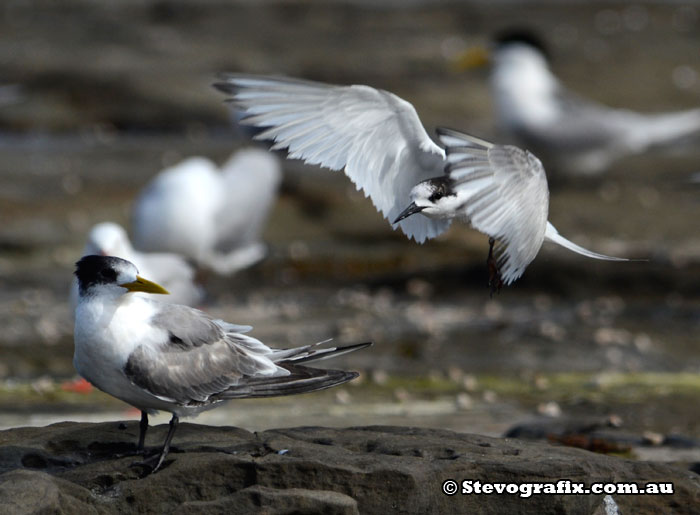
(378, 139)
(174, 358)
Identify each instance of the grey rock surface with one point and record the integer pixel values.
(89, 468)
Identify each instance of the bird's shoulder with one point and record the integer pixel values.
(186, 327)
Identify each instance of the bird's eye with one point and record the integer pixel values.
(108, 274)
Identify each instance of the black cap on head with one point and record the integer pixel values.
(522, 36)
(91, 270)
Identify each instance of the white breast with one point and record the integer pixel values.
(107, 330)
(524, 87)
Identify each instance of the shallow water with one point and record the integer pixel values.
(107, 107)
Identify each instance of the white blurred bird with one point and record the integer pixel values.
(169, 269)
(174, 358)
(577, 135)
(213, 216)
(378, 139)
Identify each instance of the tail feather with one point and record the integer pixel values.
(666, 128)
(301, 379)
(551, 234)
(310, 353)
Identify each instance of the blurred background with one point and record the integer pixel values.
(98, 97)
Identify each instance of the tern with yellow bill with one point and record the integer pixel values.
(157, 356)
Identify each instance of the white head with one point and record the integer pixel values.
(433, 198)
(108, 239)
(522, 81)
(261, 167)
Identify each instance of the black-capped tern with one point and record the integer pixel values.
(174, 358)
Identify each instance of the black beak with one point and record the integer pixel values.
(412, 209)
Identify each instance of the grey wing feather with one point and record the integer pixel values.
(583, 126)
(187, 327)
(191, 376)
(506, 194)
(301, 379)
(203, 359)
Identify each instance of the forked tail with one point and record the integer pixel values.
(301, 379)
(551, 234)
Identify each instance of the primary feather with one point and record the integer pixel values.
(375, 136)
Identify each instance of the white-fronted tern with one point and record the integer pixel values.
(378, 139)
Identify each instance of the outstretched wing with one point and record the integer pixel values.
(374, 135)
(506, 195)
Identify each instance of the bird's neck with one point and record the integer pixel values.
(108, 327)
(525, 89)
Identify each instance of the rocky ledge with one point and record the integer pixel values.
(89, 468)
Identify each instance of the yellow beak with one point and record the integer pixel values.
(472, 57)
(144, 285)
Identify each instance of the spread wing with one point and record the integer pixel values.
(205, 360)
(506, 195)
(375, 136)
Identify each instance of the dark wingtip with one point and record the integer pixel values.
(444, 131)
(224, 87)
(224, 82)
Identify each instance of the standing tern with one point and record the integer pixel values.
(169, 269)
(174, 358)
(577, 134)
(378, 139)
(213, 216)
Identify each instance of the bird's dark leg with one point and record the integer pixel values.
(143, 427)
(166, 446)
(495, 281)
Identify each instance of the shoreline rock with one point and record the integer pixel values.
(88, 468)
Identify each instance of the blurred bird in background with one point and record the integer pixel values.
(574, 134)
(213, 216)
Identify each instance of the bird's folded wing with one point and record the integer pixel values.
(506, 196)
(191, 376)
(374, 135)
(582, 126)
(198, 357)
